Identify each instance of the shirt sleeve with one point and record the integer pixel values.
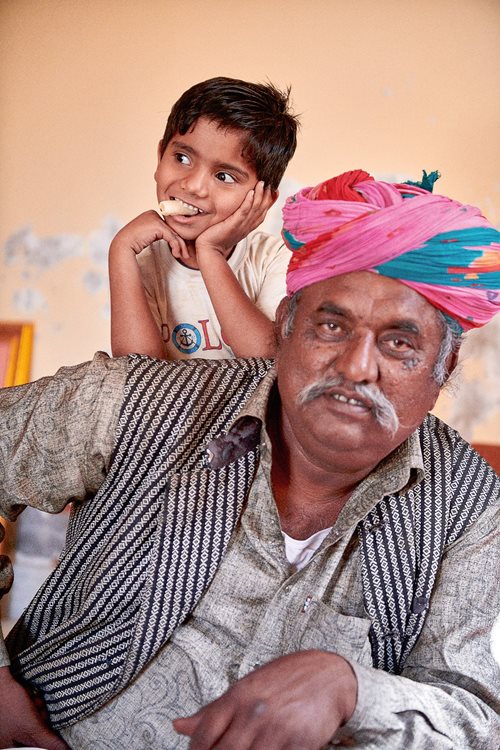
(448, 695)
(275, 257)
(58, 435)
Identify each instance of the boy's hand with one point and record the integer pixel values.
(147, 228)
(222, 237)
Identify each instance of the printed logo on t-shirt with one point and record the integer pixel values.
(186, 338)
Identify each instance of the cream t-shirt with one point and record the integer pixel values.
(180, 303)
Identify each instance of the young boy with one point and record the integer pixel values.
(203, 283)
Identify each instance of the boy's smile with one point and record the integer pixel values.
(205, 169)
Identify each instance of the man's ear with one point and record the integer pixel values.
(281, 319)
(275, 194)
(452, 362)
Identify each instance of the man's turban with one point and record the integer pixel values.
(446, 251)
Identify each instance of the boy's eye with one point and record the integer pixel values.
(182, 158)
(225, 177)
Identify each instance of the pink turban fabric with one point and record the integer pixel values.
(446, 251)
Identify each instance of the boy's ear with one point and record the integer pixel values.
(159, 152)
(275, 194)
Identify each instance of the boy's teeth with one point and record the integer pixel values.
(188, 206)
(177, 207)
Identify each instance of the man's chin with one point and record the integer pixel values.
(352, 429)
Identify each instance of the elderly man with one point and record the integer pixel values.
(274, 558)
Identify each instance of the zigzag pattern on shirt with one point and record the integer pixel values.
(115, 597)
(404, 537)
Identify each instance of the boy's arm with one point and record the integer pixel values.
(133, 328)
(247, 330)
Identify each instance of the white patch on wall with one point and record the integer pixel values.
(40, 253)
(50, 280)
(28, 300)
(481, 397)
(99, 241)
(24, 247)
(93, 281)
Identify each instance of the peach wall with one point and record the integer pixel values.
(86, 86)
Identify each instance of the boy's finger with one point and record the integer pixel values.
(179, 249)
(263, 198)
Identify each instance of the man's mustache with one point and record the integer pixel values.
(382, 408)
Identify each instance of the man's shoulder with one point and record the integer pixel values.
(185, 401)
(197, 373)
(449, 442)
(452, 461)
(458, 482)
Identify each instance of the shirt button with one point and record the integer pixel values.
(287, 589)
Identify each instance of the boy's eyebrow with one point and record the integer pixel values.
(233, 168)
(223, 165)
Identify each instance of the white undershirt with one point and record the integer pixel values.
(300, 551)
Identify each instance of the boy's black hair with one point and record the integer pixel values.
(260, 110)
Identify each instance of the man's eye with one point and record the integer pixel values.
(399, 345)
(225, 177)
(182, 158)
(330, 328)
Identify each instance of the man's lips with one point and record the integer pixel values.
(349, 399)
(357, 400)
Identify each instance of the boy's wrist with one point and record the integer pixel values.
(120, 246)
(206, 250)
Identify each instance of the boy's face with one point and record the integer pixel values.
(205, 169)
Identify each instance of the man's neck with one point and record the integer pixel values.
(308, 497)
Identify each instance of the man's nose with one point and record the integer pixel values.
(358, 360)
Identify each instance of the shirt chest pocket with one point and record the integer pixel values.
(323, 628)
